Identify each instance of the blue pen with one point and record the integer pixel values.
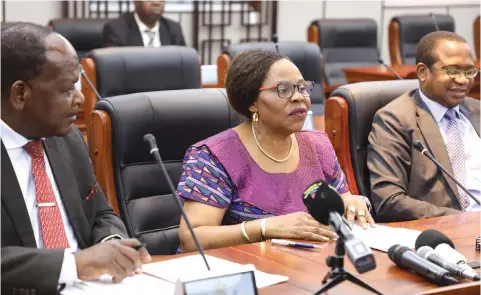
(294, 244)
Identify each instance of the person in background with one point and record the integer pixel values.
(405, 184)
(144, 27)
(57, 226)
(246, 184)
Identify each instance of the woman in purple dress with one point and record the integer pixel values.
(246, 184)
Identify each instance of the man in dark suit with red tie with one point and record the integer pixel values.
(57, 226)
(144, 27)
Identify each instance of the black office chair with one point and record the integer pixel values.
(344, 43)
(349, 113)
(124, 70)
(126, 170)
(84, 34)
(405, 31)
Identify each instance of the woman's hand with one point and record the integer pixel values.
(299, 225)
(356, 206)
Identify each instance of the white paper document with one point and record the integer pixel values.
(382, 237)
(138, 284)
(190, 266)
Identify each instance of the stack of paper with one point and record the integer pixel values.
(189, 266)
(138, 284)
(160, 277)
(382, 237)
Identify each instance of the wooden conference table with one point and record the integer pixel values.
(381, 73)
(306, 268)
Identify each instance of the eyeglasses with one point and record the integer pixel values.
(458, 73)
(286, 90)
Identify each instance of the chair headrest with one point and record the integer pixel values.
(413, 27)
(366, 98)
(84, 34)
(124, 70)
(177, 119)
(357, 32)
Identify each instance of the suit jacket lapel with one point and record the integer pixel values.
(67, 188)
(468, 113)
(164, 33)
(434, 140)
(14, 203)
(134, 34)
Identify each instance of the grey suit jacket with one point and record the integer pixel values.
(405, 184)
(36, 271)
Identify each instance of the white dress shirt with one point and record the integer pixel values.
(145, 36)
(472, 146)
(22, 165)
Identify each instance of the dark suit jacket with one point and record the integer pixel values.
(24, 266)
(124, 31)
(405, 184)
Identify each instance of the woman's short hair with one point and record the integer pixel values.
(246, 75)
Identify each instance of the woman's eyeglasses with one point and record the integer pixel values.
(286, 90)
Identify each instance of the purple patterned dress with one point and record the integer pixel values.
(220, 172)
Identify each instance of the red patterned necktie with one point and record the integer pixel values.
(51, 224)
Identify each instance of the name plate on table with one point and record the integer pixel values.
(241, 281)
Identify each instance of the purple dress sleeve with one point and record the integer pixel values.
(204, 179)
(333, 172)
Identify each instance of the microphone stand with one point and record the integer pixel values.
(421, 148)
(338, 274)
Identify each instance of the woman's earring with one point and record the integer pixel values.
(255, 117)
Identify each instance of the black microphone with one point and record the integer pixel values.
(82, 72)
(381, 61)
(435, 22)
(275, 40)
(326, 206)
(418, 145)
(154, 150)
(428, 253)
(443, 246)
(407, 259)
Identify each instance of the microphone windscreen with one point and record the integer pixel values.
(395, 253)
(432, 238)
(320, 198)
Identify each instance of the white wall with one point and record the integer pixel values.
(39, 12)
(294, 16)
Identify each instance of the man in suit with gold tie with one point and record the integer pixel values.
(405, 184)
(57, 226)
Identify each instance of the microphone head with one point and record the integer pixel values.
(424, 251)
(419, 145)
(432, 238)
(149, 138)
(395, 253)
(320, 198)
(275, 39)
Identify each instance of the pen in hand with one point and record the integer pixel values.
(139, 246)
(294, 244)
